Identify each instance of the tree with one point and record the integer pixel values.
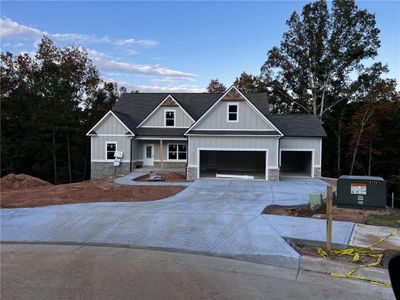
(248, 83)
(364, 128)
(215, 87)
(48, 103)
(313, 66)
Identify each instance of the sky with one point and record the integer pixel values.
(173, 46)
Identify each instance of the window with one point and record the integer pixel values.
(111, 147)
(233, 113)
(149, 151)
(170, 118)
(177, 152)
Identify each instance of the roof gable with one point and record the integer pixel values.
(215, 117)
(110, 124)
(156, 117)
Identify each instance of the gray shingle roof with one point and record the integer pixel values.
(160, 131)
(298, 125)
(133, 108)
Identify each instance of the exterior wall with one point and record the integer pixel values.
(157, 151)
(98, 147)
(234, 142)
(111, 126)
(191, 173)
(304, 143)
(273, 174)
(248, 118)
(157, 119)
(106, 169)
(317, 172)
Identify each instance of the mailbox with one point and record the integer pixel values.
(368, 192)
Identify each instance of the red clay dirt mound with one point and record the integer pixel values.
(13, 182)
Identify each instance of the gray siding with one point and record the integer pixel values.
(304, 143)
(98, 146)
(157, 119)
(110, 125)
(234, 143)
(248, 118)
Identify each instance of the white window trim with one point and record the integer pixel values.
(177, 152)
(116, 149)
(229, 104)
(165, 117)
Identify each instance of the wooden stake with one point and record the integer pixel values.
(329, 200)
(161, 155)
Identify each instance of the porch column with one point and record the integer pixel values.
(161, 154)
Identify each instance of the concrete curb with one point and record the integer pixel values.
(320, 265)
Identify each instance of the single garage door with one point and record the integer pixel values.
(296, 163)
(250, 163)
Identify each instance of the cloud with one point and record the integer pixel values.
(159, 88)
(11, 29)
(107, 63)
(146, 43)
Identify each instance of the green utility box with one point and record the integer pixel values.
(366, 192)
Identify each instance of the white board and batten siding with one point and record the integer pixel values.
(248, 118)
(110, 130)
(304, 144)
(233, 142)
(157, 119)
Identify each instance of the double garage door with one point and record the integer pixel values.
(293, 163)
(214, 163)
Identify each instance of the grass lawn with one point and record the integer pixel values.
(391, 220)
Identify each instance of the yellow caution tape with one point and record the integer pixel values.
(356, 254)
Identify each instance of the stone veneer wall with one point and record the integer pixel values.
(317, 172)
(273, 174)
(105, 169)
(170, 165)
(191, 173)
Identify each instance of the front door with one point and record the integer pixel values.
(148, 151)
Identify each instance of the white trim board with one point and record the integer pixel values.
(233, 150)
(299, 150)
(103, 118)
(162, 138)
(158, 106)
(248, 101)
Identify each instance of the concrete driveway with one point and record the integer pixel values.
(217, 217)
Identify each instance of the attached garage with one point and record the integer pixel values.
(216, 162)
(298, 163)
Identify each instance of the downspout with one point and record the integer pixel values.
(130, 162)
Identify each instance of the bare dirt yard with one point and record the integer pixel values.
(27, 191)
(168, 177)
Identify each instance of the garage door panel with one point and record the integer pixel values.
(296, 163)
(232, 162)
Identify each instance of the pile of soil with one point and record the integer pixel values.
(104, 190)
(339, 214)
(21, 181)
(168, 177)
